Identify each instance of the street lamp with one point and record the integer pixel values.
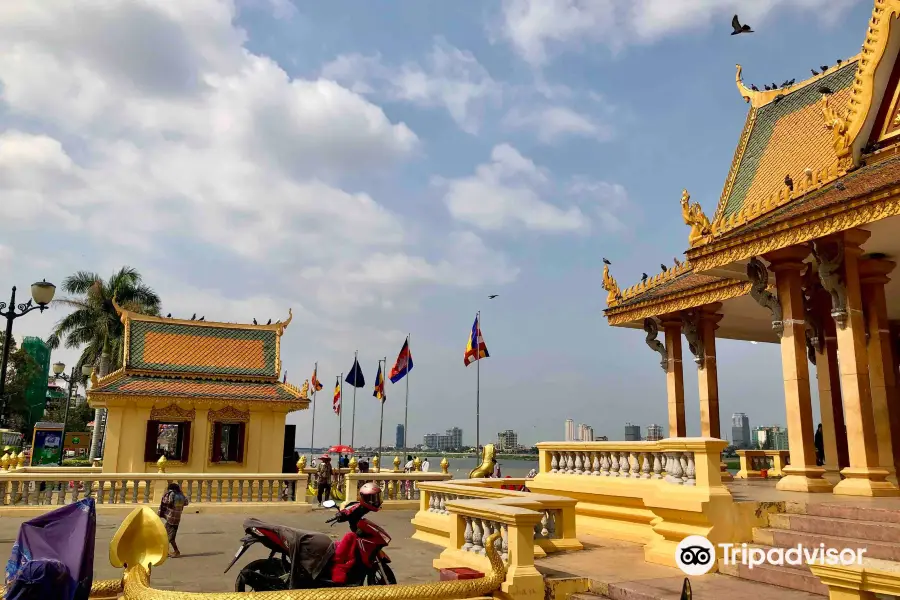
(41, 296)
(58, 369)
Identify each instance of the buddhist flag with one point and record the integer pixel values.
(476, 348)
(379, 385)
(404, 363)
(336, 405)
(355, 376)
(317, 385)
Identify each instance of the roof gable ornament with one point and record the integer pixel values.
(610, 285)
(693, 216)
(837, 123)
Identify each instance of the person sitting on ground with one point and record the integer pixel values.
(170, 509)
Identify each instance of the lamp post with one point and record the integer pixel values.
(41, 296)
(58, 369)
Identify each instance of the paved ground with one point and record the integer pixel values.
(208, 542)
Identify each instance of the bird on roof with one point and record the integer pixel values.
(644, 277)
(839, 61)
(203, 318)
(169, 316)
(606, 262)
(786, 83)
(767, 88)
(774, 86)
(825, 90)
(824, 68)
(840, 186)
(814, 72)
(254, 322)
(677, 262)
(778, 98)
(492, 296)
(792, 82)
(194, 318)
(738, 28)
(269, 322)
(663, 267)
(789, 182)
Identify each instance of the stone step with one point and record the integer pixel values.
(708, 587)
(793, 577)
(837, 526)
(844, 511)
(786, 538)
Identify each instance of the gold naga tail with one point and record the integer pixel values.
(486, 468)
(141, 540)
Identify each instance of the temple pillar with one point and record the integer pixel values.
(802, 475)
(674, 376)
(873, 274)
(710, 420)
(838, 258)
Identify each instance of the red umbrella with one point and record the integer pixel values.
(341, 450)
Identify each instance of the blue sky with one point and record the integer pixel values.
(382, 167)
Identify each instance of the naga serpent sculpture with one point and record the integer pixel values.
(486, 468)
(141, 540)
(652, 330)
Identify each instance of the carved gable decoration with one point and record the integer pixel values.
(172, 412)
(229, 414)
(887, 123)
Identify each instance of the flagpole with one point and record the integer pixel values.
(355, 383)
(477, 384)
(312, 435)
(381, 427)
(341, 408)
(406, 410)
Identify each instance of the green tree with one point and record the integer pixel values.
(94, 325)
(79, 416)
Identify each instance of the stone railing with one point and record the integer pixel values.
(399, 490)
(868, 580)
(654, 493)
(753, 462)
(553, 532)
(471, 524)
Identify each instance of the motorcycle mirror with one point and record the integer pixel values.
(329, 504)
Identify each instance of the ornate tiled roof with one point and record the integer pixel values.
(677, 283)
(785, 137)
(199, 348)
(136, 385)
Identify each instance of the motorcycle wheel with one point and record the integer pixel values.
(263, 566)
(375, 578)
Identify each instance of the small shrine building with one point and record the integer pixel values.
(205, 395)
(801, 251)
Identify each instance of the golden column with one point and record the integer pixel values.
(802, 475)
(708, 377)
(873, 273)
(838, 258)
(674, 376)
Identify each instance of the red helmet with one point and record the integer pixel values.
(370, 496)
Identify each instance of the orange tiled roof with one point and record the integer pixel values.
(135, 385)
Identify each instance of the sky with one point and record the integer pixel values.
(382, 167)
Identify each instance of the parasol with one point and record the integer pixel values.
(340, 450)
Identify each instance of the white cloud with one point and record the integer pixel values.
(508, 192)
(538, 28)
(551, 123)
(451, 78)
(143, 125)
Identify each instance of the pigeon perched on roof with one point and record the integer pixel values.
(754, 88)
(663, 267)
(194, 318)
(814, 72)
(203, 318)
(269, 322)
(644, 277)
(254, 322)
(169, 316)
(789, 182)
(606, 262)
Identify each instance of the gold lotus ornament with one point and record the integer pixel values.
(140, 541)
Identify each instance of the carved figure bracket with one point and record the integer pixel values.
(693, 216)
(830, 257)
(610, 285)
(652, 329)
(815, 330)
(759, 279)
(691, 327)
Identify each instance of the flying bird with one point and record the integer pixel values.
(492, 296)
(254, 322)
(754, 88)
(814, 72)
(194, 318)
(203, 318)
(738, 28)
(269, 322)
(789, 182)
(606, 262)
(663, 267)
(169, 316)
(644, 277)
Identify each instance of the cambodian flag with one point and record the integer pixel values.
(404, 363)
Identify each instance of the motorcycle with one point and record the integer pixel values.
(308, 560)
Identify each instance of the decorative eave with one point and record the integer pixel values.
(719, 291)
(758, 99)
(105, 400)
(127, 315)
(652, 282)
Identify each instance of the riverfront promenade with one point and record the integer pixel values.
(208, 542)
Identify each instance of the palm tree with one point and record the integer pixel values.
(94, 323)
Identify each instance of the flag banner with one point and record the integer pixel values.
(403, 365)
(379, 385)
(476, 348)
(317, 385)
(336, 405)
(355, 376)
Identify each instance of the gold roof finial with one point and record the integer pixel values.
(123, 314)
(609, 284)
(693, 216)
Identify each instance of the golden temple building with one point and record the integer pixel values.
(205, 395)
(800, 251)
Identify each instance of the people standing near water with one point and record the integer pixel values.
(496, 468)
(170, 509)
(409, 463)
(323, 478)
(425, 465)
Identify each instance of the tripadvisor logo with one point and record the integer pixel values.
(695, 555)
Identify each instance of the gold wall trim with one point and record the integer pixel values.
(172, 412)
(801, 229)
(707, 294)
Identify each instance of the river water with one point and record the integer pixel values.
(460, 467)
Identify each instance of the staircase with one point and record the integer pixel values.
(835, 525)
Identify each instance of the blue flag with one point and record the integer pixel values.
(355, 376)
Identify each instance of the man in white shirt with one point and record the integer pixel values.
(425, 466)
(409, 464)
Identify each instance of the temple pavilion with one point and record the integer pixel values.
(801, 251)
(205, 395)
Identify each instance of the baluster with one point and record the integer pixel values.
(578, 463)
(476, 535)
(271, 488)
(443, 505)
(624, 464)
(259, 488)
(240, 490)
(63, 491)
(595, 464)
(663, 458)
(673, 468)
(690, 475)
(647, 462)
(570, 463)
(545, 532)
(146, 491)
(124, 491)
(488, 529)
(219, 489)
(468, 534)
(683, 461)
(613, 464)
(87, 487)
(3, 494)
(657, 466)
(554, 462)
(604, 464)
(101, 487)
(431, 501)
(551, 524)
(134, 491)
(230, 490)
(504, 543)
